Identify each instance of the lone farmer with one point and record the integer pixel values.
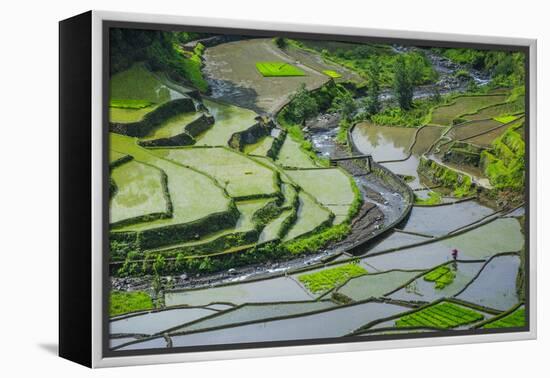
(454, 253)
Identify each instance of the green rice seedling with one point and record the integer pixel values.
(278, 69)
(443, 315)
(515, 319)
(329, 278)
(332, 74)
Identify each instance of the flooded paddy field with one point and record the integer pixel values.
(209, 219)
(231, 72)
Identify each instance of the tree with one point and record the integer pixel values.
(302, 105)
(345, 105)
(402, 84)
(280, 42)
(372, 102)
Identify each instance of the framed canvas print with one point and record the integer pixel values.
(232, 189)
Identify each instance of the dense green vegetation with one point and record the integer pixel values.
(129, 104)
(329, 278)
(441, 276)
(434, 198)
(160, 51)
(507, 69)
(278, 69)
(359, 57)
(514, 319)
(122, 302)
(504, 164)
(443, 315)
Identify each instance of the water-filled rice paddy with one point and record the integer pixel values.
(496, 110)
(244, 224)
(310, 216)
(426, 291)
(331, 323)
(396, 240)
(252, 312)
(138, 83)
(230, 69)
(229, 120)
(236, 173)
(193, 194)
(444, 115)
(272, 229)
(472, 129)
(497, 236)
(383, 142)
(291, 155)
(375, 285)
(140, 192)
(273, 290)
(154, 322)
(495, 287)
(331, 187)
(435, 220)
(259, 148)
(173, 126)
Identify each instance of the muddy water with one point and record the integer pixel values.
(382, 142)
(230, 69)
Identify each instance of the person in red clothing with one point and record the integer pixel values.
(454, 254)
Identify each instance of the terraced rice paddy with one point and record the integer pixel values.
(154, 322)
(375, 285)
(242, 280)
(514, 319)
(427, 291)
(331, 187)
(238, 175)
(331, 323)
(229, 120)
(443, 315)
(327, 279)
(254, 312)
(435, 221)
(291, 155)
(444, 115)
(173, 126)
(259, 148)
(311, 215)
(140, 192)
(496, 285)
(274, 290)
(244, 224)
(278, 69)
(383, 142)
(137, 84)
(497, 236)
(187, 188)
(231, 70)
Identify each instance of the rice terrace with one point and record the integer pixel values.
(276, 189)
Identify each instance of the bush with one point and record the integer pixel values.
(122, 302)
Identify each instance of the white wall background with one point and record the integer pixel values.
(28, 184)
